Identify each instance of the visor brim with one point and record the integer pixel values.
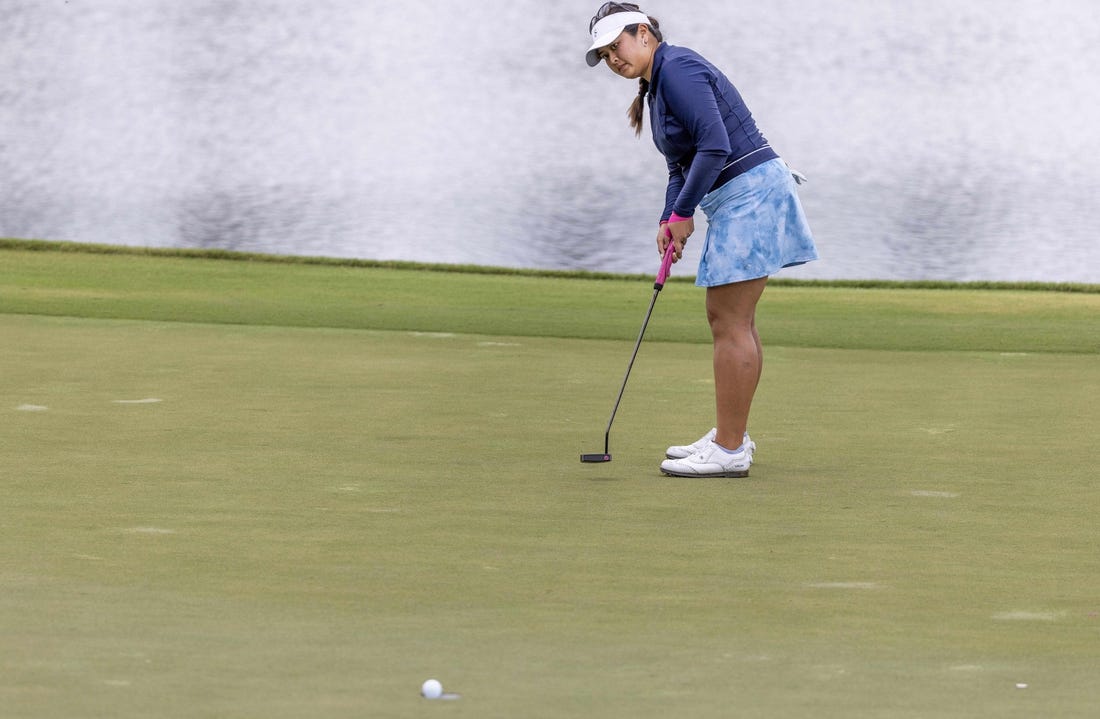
(608, 29)
(592, 57)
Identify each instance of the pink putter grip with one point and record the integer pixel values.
(666, 266)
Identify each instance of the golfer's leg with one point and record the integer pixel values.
(738, 357)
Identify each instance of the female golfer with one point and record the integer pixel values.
(718, 160)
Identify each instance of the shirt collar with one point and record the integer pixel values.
(655, 70)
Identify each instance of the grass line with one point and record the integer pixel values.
(219, 254)
(185, 286)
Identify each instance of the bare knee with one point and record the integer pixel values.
(730, 322)
(731, 309)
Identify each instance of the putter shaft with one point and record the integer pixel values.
(630, 366)
(662, 275)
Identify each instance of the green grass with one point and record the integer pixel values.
(137, 285)
(917, 537)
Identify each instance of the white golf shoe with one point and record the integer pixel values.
(679, 451)
(711, 461)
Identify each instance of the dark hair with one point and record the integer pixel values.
(636, 111)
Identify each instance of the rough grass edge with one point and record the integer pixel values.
(237, 256)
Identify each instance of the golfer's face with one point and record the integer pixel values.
(625, 57)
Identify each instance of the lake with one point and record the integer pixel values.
(942, 140)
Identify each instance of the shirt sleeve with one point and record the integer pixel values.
(672, 192)
(690, 97)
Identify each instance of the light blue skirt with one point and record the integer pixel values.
(755, 227)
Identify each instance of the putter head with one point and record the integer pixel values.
(596, 457)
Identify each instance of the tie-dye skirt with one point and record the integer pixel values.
(756, 227)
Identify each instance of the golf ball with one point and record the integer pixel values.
(431, 689)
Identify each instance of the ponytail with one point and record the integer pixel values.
(636, 112)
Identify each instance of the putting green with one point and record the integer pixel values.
(209, 520)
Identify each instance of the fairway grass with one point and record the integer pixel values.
(247, 518)
(285, 294)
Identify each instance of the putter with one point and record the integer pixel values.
(662, 275)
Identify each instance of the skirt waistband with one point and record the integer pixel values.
(743, 164)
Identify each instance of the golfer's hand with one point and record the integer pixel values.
(677, 233)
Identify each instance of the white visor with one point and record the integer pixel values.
(608, 28)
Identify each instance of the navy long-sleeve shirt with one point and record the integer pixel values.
(700, 124)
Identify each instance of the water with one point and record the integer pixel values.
(943, 140)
